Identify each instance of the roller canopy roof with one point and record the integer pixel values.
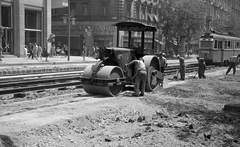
(134, 26)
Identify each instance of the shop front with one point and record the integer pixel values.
(24, 22)
(84, 34)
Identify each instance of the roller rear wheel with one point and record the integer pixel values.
(105, 73)
(152, 64)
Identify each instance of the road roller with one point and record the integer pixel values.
(110, 75)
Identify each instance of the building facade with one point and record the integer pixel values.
(95, 19)
(24, 22)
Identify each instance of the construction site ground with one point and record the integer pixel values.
(183, 114)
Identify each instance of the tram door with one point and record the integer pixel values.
(7, 41)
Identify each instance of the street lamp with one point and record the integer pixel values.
(69, 18)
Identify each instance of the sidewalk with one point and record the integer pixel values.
(14, 62)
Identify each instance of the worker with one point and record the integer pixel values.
(163, 64)
(182, 67)
(140, 76)
(201, 68)
(234, 60)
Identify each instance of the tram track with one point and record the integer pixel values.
(41, 82)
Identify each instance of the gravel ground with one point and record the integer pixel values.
(183, 113)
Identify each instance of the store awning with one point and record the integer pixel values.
(59, 3)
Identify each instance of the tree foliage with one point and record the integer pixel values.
(228, 24)
(181, 18)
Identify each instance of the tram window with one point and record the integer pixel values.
(219, 44)
(225, 45)
(237, 45)
(229, 44)
(215, 44)
(206, 44)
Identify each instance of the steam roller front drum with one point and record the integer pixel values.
(104, 73)
(152, 64)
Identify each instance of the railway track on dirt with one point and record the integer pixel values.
(40, 82)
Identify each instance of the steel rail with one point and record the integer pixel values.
(38, 81)
(13, 87)
(41, 87)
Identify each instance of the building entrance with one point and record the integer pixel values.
(7, 38)
(7, 43)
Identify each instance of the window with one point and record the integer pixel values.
(73, 7)
(238, 45)
(104, 8)
(225, 45)
(206, 44)
(219, 44)
(128, 10)
(6, 16)
(33, 19)
(85, 8)
(33, 26)
(229, 44)
(215, 44)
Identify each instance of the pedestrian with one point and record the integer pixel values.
(163, 64)
(45, 53)
(140, 76)
(34, 51)
(39, 52)
(84, 52)
(201, 68)
(58, 52)
(30, 51)
(53, 50)
(1, 50)
(65, 49)
(234, 60)
(182, 67)
(25, 53)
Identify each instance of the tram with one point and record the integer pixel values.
(218, 48)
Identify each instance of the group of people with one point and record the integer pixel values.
(34, 51)
(140, 76)
(56, 52)
(94, 52)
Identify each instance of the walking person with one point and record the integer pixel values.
(53, 50)
(34, 51)
(1, 50)
(201, 68)
(39, 52)
(84, 52)
(30, 51)
(25, 53)
(234, 60)
(182, 67)
(140, 76)
(65, 49)
(163, 64)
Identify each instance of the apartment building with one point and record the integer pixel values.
(94, 20)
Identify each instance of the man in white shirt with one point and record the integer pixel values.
(163, 64)
(234, 60)
(140, 76)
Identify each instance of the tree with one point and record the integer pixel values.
(228, 24)
(182, 20)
